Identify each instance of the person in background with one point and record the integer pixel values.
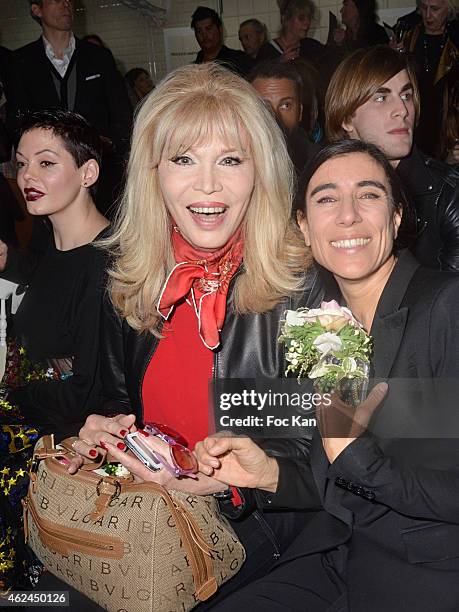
(95, 39)
(252, 35)
(58, 159)
(208, 29)
(449, 151)
(313, 97)
(10, 211)
(139, 84)
(293, 41)
(410, 20)
(280, 86)
(362, 29)
(373, 96)
(434, 44)
(61, 71)
(51, 380)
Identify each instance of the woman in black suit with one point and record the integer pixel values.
(388, 537)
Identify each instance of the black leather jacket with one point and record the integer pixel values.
(434, 189)
(248, 349)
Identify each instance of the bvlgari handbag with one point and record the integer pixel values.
(126, 545)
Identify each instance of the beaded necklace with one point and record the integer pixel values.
(427, 67)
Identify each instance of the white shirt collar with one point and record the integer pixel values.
(61, 65)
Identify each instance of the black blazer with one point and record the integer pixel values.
(393, 504)
(101, 96)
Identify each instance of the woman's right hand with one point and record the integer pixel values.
(290, 53)
(237, 461)
(3, 255)
(96, 432)
(397, 46)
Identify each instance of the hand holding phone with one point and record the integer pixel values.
(142, 451)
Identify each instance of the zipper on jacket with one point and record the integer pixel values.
(268, 532)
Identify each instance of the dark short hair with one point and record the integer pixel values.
(34, 17)
(204, 12)
(275, 69)
(400, 200)
(366, 10)
(80, 139)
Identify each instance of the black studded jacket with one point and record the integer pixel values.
(434, 190)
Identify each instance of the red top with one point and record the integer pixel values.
(175, 389)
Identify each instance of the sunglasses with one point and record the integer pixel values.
(182, 459)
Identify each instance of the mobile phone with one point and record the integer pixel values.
(142, 451)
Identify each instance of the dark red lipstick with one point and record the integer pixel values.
(31, 194)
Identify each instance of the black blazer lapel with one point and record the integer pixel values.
(42, 76)
(81, 71)
(390, 318)
(387, 333)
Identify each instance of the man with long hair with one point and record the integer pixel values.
(373, 96)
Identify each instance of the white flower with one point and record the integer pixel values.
(327, 343)
(320, 369)
(296, 317)
(122, 472)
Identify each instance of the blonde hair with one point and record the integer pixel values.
(190, 106)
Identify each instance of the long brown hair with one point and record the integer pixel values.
(356, 79)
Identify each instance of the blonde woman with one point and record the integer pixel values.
(434, 43)
(204, 257)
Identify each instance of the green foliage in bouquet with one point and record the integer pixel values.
(327, 345)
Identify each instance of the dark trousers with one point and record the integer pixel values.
(313, 583)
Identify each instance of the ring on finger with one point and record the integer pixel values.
(80, 440)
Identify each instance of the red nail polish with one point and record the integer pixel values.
(93, 453)
(103, 445)
(123, 432)
(121, 446)
(144, 433)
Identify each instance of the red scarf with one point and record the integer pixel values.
(204, 278)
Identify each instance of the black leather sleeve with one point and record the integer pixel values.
(115, 398)
(448, 222)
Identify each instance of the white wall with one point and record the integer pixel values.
(136, 42)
